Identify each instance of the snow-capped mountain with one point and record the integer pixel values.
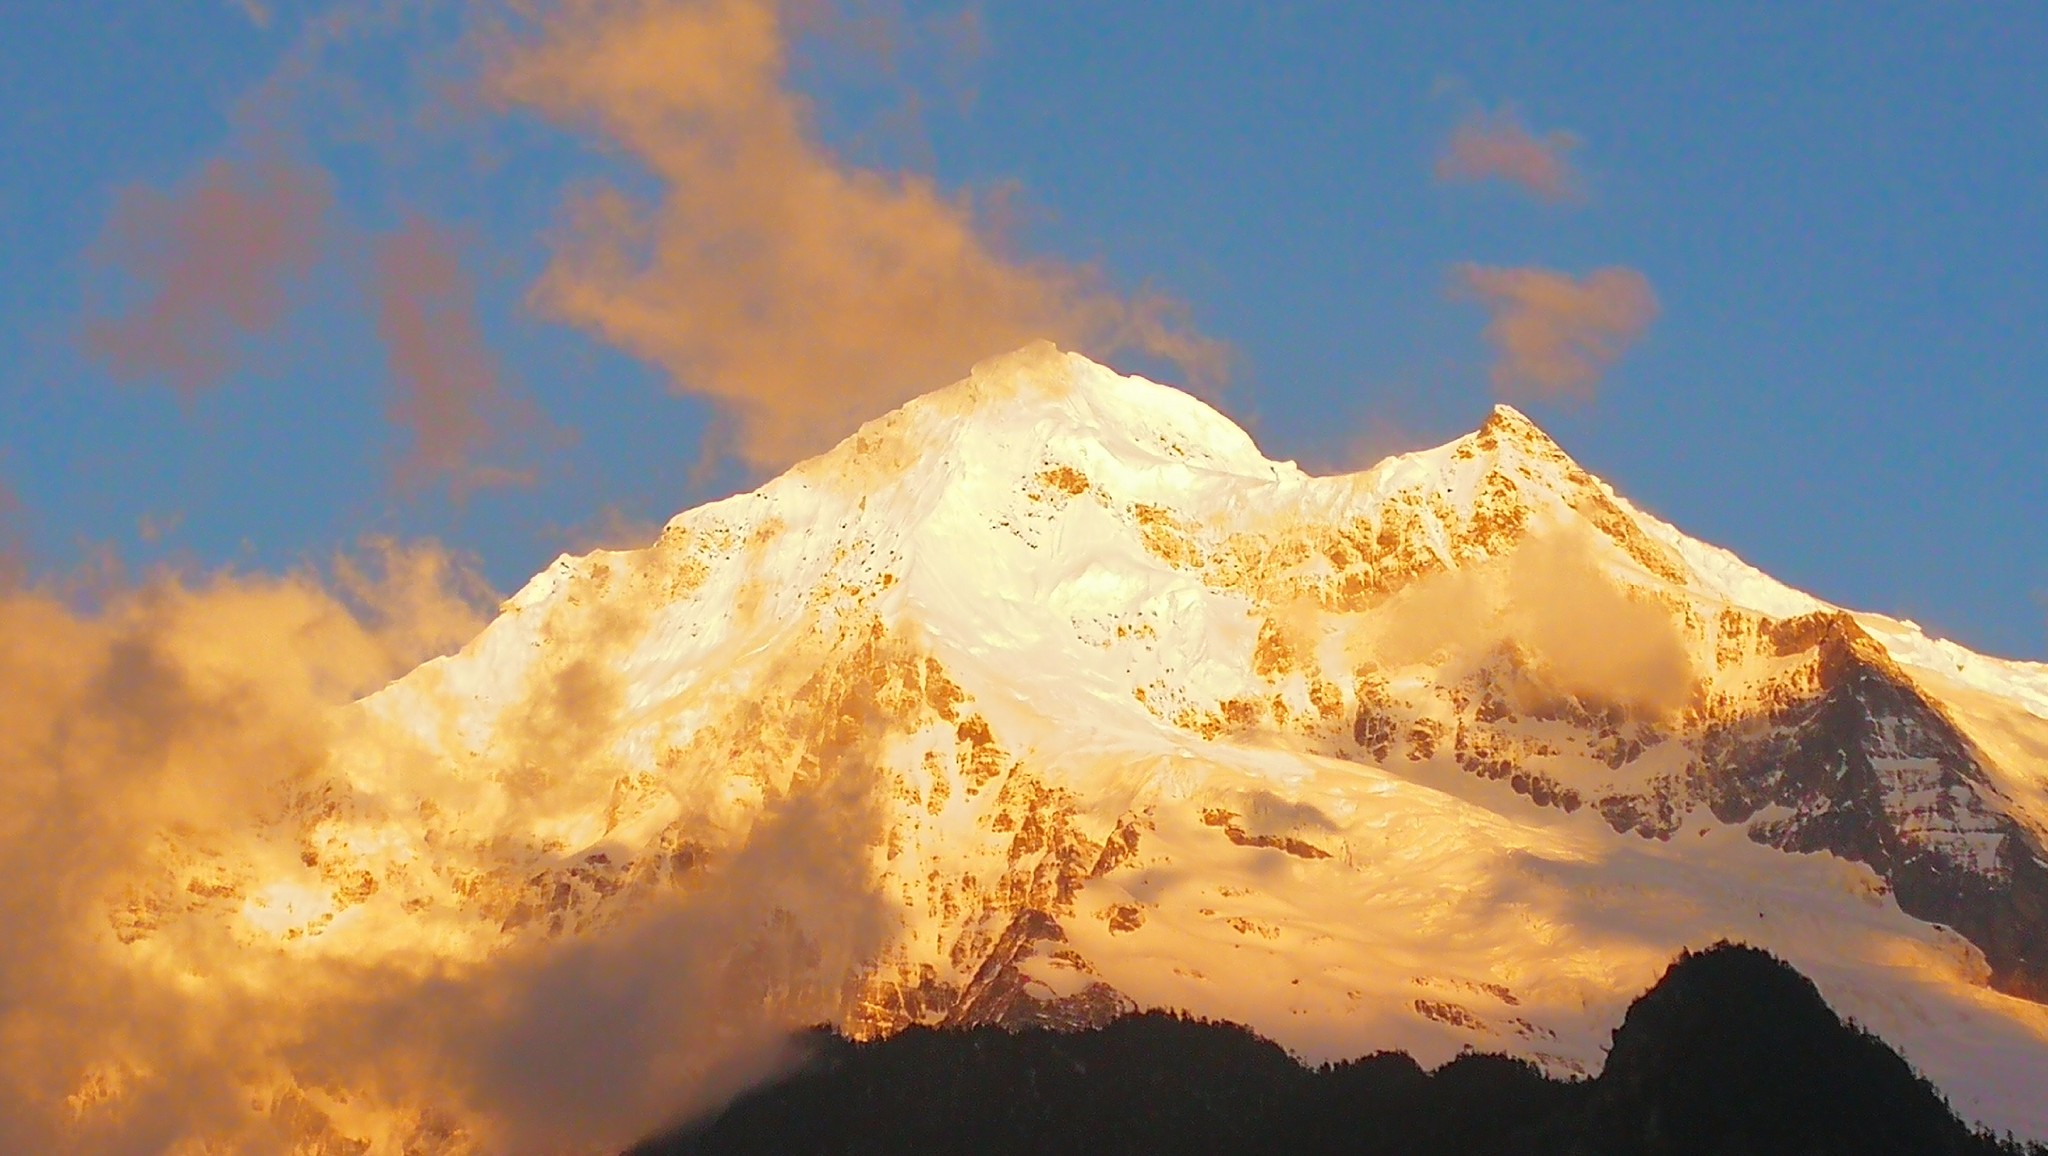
(1062, 699)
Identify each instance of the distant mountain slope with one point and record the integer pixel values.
(1731, 1051)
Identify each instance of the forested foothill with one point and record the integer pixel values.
(1731, 1052)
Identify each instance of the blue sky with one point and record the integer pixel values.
(1843, 217)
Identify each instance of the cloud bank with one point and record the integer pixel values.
(212, 267)
(1553, 334)
(175, 777)
(798, 293)
(171, 710)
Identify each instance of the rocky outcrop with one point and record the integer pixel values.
(1803, 731)
(1004, 994)
(1865, 766)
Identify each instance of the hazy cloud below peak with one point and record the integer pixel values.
(1553, 334)
(1496, 146)
(211, 264)
(172, 708)
(1578, 631)
(169, 751)
(798, 293)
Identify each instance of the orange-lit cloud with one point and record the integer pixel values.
(589, 1043)
(212, 266)
(190, 793)
(797, 292)
(1495, 146)
(1554, 335)
(140, 740)
(448, 391)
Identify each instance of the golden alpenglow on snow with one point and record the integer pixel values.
(1043, 698)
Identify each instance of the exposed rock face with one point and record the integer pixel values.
(1866, 767)
(1003, 995)
(1839, 751)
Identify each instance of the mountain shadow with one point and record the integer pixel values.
(1732, 1052)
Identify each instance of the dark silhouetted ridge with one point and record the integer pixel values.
(1731, 1052)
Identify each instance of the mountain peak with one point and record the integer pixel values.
(1047, 694)
(1013, 408)
(1508, 424)
(1113, 405)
